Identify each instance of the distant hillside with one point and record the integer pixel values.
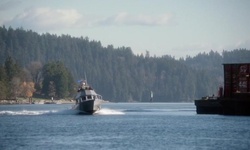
(118, 74)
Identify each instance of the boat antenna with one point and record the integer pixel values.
(86, 78)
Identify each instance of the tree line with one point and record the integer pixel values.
(115, 73)
(51, 80)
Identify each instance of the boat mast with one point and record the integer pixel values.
(86, 79)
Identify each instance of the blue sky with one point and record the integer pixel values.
(162, 27)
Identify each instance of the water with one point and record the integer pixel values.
(120, 126)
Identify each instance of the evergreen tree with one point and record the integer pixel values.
(13, 76)
(3, 83)
(12, 68)
(57, 80)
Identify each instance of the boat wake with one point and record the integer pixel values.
(56, 112)
(27, 112)
(105, 111)
(37, 112)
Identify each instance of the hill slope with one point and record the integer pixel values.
(116, 73)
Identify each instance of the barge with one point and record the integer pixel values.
(234, 98)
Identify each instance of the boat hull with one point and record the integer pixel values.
(208, 106)
(89, 106)
(223, 107)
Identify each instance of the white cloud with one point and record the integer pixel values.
(48, 19)
(125, 18)
(195, 48)
(45, 19)
(243, 44)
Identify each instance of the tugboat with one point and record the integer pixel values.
(87, 100)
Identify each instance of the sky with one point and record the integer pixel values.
(178, 28)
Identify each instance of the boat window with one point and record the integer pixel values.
(84, 98)
(89, 97)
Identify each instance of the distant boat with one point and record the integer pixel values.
(151, 96)
(87, 100)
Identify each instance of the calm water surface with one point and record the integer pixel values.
(121, 126)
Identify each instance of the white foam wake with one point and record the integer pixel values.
(105, 111)
(27, 112)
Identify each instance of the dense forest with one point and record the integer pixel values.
(51, 80)
(116, 73)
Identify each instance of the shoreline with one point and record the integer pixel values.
(35, 101)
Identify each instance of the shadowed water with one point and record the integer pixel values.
(120, 126)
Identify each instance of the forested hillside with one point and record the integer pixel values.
(116, 73)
